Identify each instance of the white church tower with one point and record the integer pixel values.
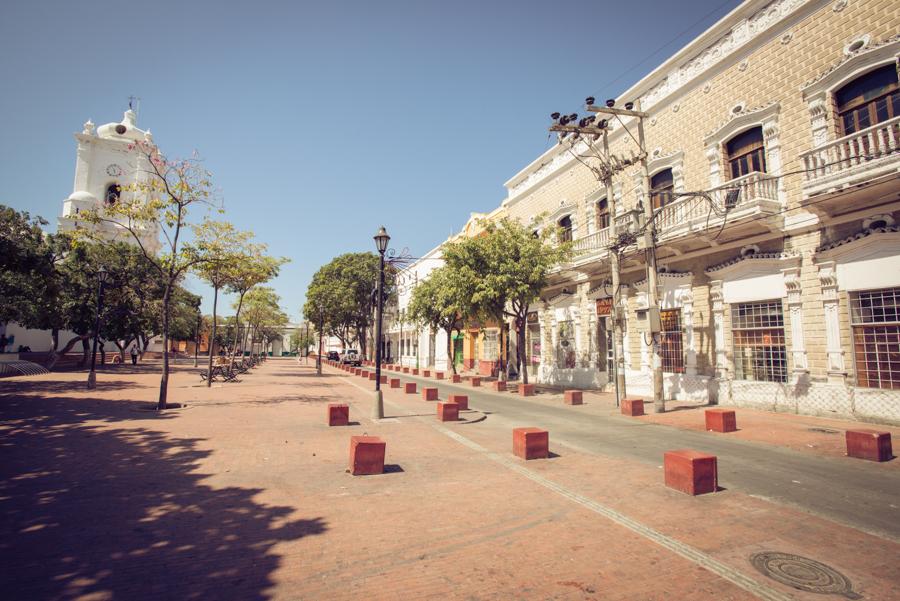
(106, 161)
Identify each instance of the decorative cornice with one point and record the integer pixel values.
(774, 256)
(890, 229)
(737, 120)
(850, 57)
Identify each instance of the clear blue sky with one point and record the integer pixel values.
(322, 121)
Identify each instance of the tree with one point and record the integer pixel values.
(508, 267)
(222, 247)
(265, 319)
(161, 197)
(342, 294)
(253, 268)
(440, 302)
(302, 339)
(27, 274)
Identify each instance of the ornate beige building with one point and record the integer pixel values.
(780, 286)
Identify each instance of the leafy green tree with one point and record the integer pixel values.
(222, 248)
(301, 339)
(27, 268)
(265, 319)
(253, 268)
(441, 303)
(508, 267)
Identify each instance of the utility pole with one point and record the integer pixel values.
(646, 238)
(614, 267)
(653, 318)
(319, 354)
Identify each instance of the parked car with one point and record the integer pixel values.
(351, 357)
(333, 356)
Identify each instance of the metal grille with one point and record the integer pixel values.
(759, 347)
(671, 347)
(875, 315)
(490, 349)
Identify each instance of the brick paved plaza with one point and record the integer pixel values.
(244, 494)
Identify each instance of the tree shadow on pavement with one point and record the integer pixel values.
(95, 510)
(27, 386)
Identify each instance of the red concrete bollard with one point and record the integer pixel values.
(429, 394)
(691, 472)
(721, 420)
(415, 371)
(395, 382)
(338, 415)
(410, 388)
(439, 375)
(872, 445)
(426, 373)
(456, 378)
(447, 412)
(572, 397)
(384, 379)
(526, 389)
(460, 399)
(531, 443)
(498, 385)
(475, 381)
(372, 376)
(366, 455)
(406, 370)
(632, 407)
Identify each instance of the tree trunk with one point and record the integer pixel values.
(85, 351)
(237, 327)
(54, 356)
(520, 346)
(212, 338)
(450, 349)
(121, 350)
(164, 381)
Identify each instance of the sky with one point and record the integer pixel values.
(322, 121)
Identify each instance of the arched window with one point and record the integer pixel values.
(112, 194)
(602, 214)
(746, 153)
(869, 99)
(662, 189)
(565, 224)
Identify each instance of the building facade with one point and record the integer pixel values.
(773, 147)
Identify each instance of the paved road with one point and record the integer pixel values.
(857, 493)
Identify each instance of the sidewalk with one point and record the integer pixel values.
(244, 494)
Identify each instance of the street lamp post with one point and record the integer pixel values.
(306, 344)
(381, 242)
(319, 354)
(101, 280)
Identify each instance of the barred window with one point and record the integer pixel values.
(490, 347)
(565, 345)
(875, 319)
(671, 347)
(759, 348)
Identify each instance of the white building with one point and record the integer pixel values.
(106, 163)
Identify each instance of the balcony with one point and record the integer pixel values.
(868, 162)
(736, 209)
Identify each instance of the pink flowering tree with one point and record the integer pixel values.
(154, 206)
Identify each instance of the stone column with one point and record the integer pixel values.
(718, 308)
(829, 283)
(795, 311)
(687, 320)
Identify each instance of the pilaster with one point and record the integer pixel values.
(829, 284)
(795, 312)
(717, 298)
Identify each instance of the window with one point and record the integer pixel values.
(602, 214)
(867, 100)
(565, 345)
(759, 348)
(112, 194)
(875, 319)
(662, 189)
(565, 224)
(746, 153)
(490, 346)
(670, 341)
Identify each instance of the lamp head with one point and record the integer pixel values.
(381, 240)
(102, 274)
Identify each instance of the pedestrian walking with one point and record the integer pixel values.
(134, 354)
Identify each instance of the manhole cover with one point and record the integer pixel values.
(803, 574)
(824, 430)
